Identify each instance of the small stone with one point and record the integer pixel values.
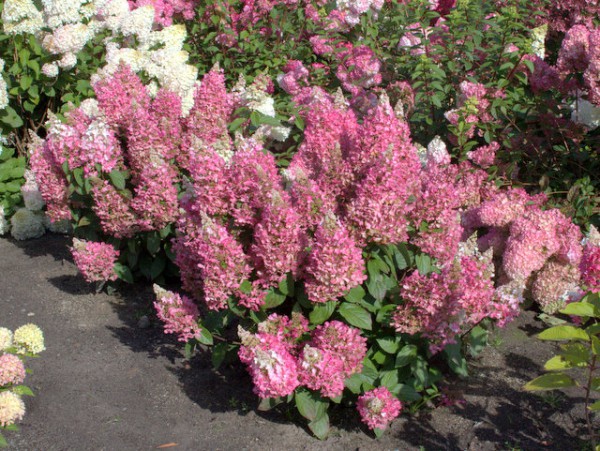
(144, 322)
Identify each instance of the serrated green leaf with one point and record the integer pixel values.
(123, 272)
(356, 315)
(557, 363)
(320, 427)
(595, 406)
(356, 294)
(580, 309)
(273, 299)
(267, 404)
(117, 179)
(22, 390)
(456, 360)
(406, 355)
(310, 405)
(321, 312)
(550, 381)
(389, 344)
(206, 337)
(559, 333)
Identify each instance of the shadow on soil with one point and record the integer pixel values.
(498, 415)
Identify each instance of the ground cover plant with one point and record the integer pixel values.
(350, 193)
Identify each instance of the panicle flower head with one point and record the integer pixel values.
(484, 156)
(590, 267)
(288, 329)
(342, 341)
(29, 339)
(12, 408)
(21, 16)
(378, 407)
(534, 238)
(12, 370)
(213, 264)
(334, 264)
(272, 367)
(321, 370)
(95, 260)
(278, 242)
(359, 68)
(178, 313)
(113, 210)
(552, 285)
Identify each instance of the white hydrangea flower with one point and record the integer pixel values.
(70, 38)
(29, 338)
(21, 16)
(3, 88)
(585, 113)
(437, 153)
(27, 224)
(138, 23)
(6, 338)
(4, 224)
(50, 70)
(31, 193)
(538, 40)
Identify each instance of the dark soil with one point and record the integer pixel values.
(106, 382)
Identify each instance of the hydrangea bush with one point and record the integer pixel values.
(348, 185)
(26, 341)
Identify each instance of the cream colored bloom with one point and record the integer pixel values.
(6, 338)
(21, 16)
(27, 224)
(12, 408)
(3, 89)
(29, 338)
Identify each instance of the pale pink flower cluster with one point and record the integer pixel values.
(95, 260)
(441, 305)
(378, 407)
(359, 68)
(580, 54)
(12, 370)
(166, 10)
(539, 248)
(178, 313)
(124, 131)
(279, 362)
(590, 267)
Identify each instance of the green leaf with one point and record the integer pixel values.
(456, 360)
(550, 381)
(389, 344)
(353, 383)
(273, 299)
(478, 339)
(267, 404)
(405, 392)
(595, 406)
(406, 355)
(580, 309)
(123, 272)
(310, 405)
(22, 390)
(378, 432)
(320, 427)
(356, 315)
(3, 442)
(356, 294)
(595, 345)
(117, 179)
(321, 312)
(557, 363)
(206, 337)
(219, 352)
(559, 333)
(153, 243)
(157, 267)
(286, 286)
